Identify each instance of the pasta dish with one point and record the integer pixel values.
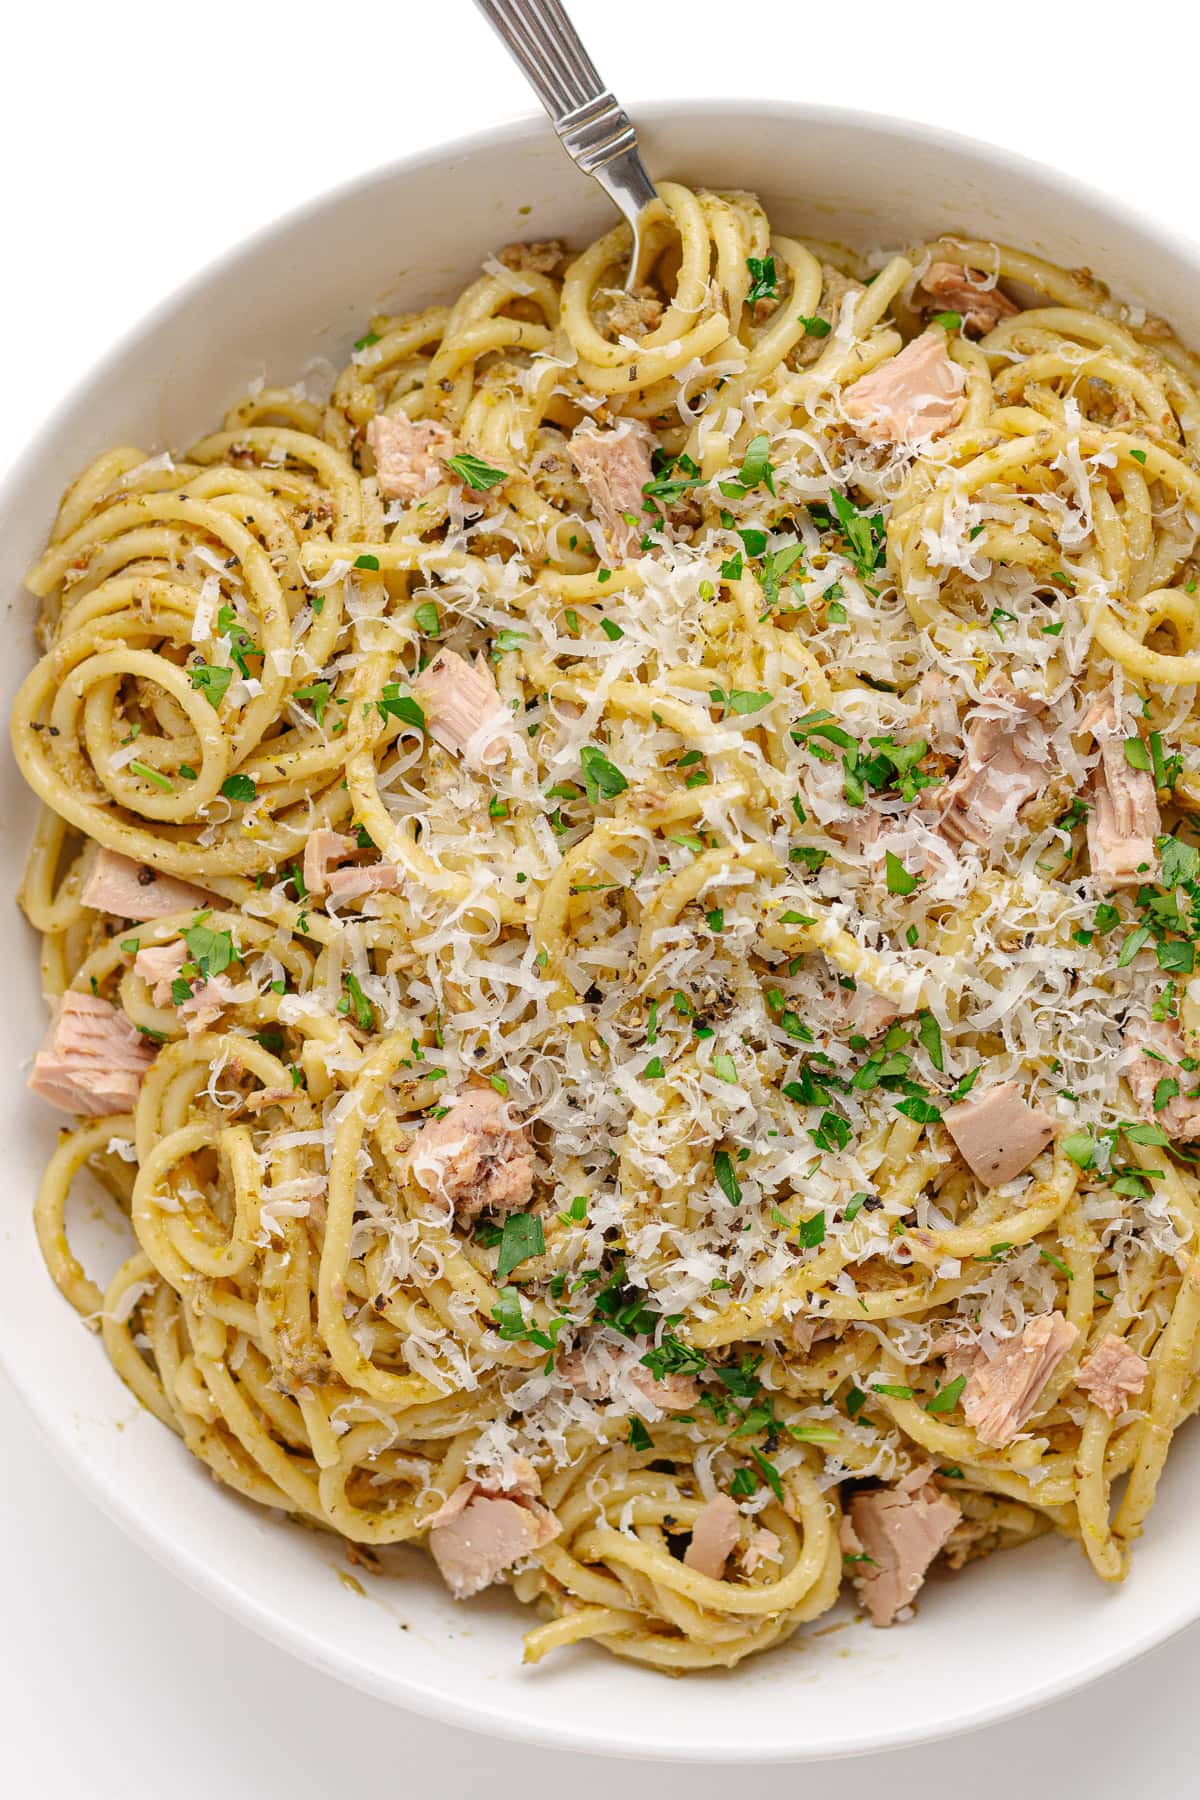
(618, 895)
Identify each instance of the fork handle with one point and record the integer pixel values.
(595, 130)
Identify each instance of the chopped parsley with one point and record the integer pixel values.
(364, 1012)
(899, 880)
(764, 282)
(211, 682)
(521, 1238)
(475, 472)
(242, 788)
(727, 1179)
(395, 705)
(601, 778)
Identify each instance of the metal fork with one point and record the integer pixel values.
(594, 129)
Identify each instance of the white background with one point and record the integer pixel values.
(137, 142)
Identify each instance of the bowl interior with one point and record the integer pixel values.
(1007, 1633)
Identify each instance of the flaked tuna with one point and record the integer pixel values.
(474, 1157)
(714, 1535)
(1164, 1092)
(1112, 1375)
(1005, 763)
(1002, 1391)
(161, 965)
(323, 850)
(954, 288)
(480, 1532)
(807, 1331)
(863, 1012)
(408, 454)
(601, 1373)
(911, 397)
(92, 1059)
(892, 1536)
(463, 709)
(763, 1547)
(131, 890)
(364, 878)
(614, 466)
(999, 1134)
(542, 257)
(1124, 820)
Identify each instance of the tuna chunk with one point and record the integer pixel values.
(614, 467)
(366, 878)
(1124, 819)
(601, 1372)
(408, 456)
(474, 1157)
(211, 999)
(936, 711)
(911, 397)
(863, 1012)
(1113, 1375)
(1002, 1391)
(480, 1532)
(160, 965)
(956, 290)
(900, 1529)
(1154, 1052)
(322, 850)
(92, 1059)
(1007, 761)
(116, 884)
(999, 1134)
(674, 1393)
(763, 1547)
(633, 315)
(809, 1331)
(543, 258)
(714, 1535)
(463, 710)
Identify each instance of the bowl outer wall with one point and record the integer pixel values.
(1028, 1626)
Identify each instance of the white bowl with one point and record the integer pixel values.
(1010, 1632)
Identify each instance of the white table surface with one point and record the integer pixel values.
(138, 142)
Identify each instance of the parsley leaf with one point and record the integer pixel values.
(1180, 862)
(241, 644)
(211, 951)
(211, 682)
(929, 1035)
(318, 693)
(764, 282)
(364, 1012)
(240, 787)
(946, 1399)
(899, 880)
(726, 1175)
(521, 1238)
(601, 778)
(396, 705)
(476, 473)
(864, 534)
(742, 702)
